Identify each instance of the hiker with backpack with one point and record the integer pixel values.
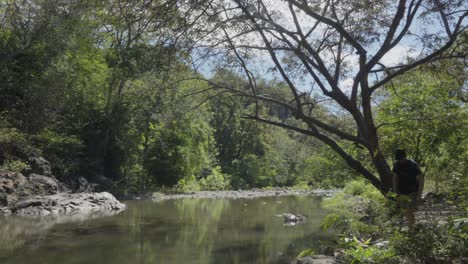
(408, 183)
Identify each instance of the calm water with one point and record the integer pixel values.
(174, 231)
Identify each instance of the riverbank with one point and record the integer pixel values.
(242, 194)
(43, 195)
(373, 229)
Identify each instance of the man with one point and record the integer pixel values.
(408, 183)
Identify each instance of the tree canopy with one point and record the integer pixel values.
(339, 48)
(137, 95)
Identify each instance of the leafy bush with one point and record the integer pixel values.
(188, 184)
(14, 145)
(216, 181)
(428, 241)
(357, 199)
(364, 254)
(14, 166)
(356, 187)
(62, 151)
(301, 185)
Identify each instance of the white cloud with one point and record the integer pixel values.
(398, 55)
(346, 84)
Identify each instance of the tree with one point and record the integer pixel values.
(331, 43)
(423, 112)
(33, 36)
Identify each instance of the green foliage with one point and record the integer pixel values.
(300, 185)
(63, 152)
(429, 241)
(363, 254)
(346, 212)
(324, 169)
(216, 181)
(128, 110)
(362, 251)
(188, 184)
(14, 166)
(426, 242)
(13, 144)
(338, 221)
(306, 252)
(422, 113)
(179, 151)
(356, 187)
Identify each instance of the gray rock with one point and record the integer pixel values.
(39, 165)
(12, 187)
(3, 199)
(83, 185)
(43, 184)
(5, 211)
(318, 259)
(67, 203)
(382, 244)
(292, 220)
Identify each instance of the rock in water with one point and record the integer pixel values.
(67, 203)
(290, 218)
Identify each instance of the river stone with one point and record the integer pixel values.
(317, 259)
(68, 203)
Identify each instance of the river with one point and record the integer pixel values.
(169, 231)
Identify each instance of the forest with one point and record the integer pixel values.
(180, 96)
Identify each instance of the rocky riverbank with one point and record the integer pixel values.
(243, 194)
(40, 193)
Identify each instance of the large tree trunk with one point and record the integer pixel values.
(385, 173)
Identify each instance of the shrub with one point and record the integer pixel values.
(428, 241)
(355, 187)
(188, 184)
(62, 151)
(14, 145)
(216, 181)
(14, 166)
(364, 254)
(301, 185)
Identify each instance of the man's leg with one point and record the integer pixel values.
(412, 209)
(407, 204)
(410, 217)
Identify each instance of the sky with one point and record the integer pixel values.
(260, 63)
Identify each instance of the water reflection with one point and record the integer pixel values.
(173, 231)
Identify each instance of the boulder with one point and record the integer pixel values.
(68, 203)
(44, 185)
(39, 165)
(290, 218)
(80, 184)
(11, 187)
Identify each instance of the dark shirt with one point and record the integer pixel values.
(407, 170)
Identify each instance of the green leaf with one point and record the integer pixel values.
(306, 252)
